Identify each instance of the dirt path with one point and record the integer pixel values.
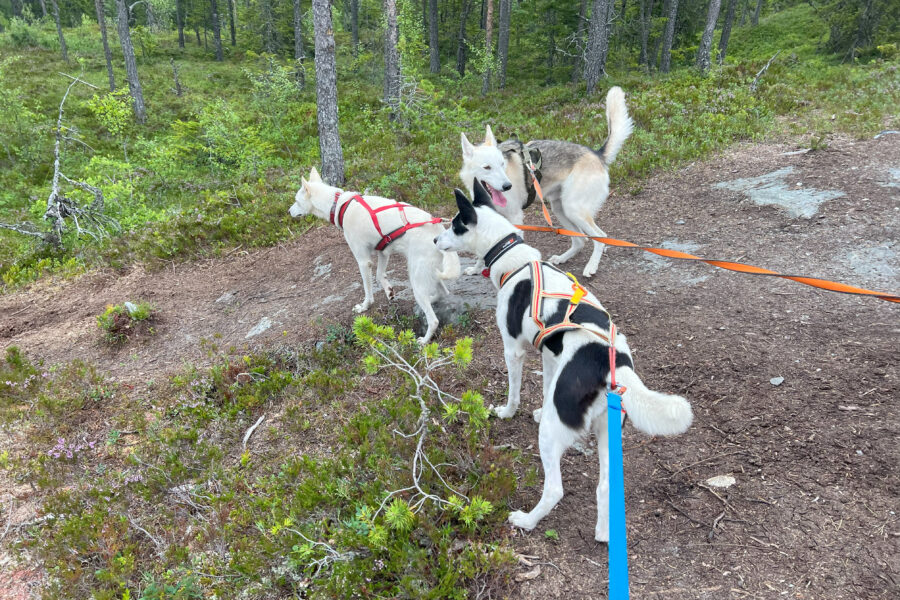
(815, 512)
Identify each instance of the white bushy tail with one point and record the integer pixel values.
(450, 267)
(620, 124)
(653, 413)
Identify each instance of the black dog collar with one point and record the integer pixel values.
(500, 248)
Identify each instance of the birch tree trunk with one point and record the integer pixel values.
(326, 95)
(665, 63)
(488, 46)
(461, 38)
(391, 57)
(217, 30)
(101, 20)
(597, 45)
(231, 21)
(503, 39)
(726, 31)
(703, 51)
(179, 21)
(62, 40)
(131, 73)
(433, 36)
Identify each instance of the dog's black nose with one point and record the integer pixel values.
(435, 240)
(507, 187)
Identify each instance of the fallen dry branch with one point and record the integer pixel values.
(762, 72)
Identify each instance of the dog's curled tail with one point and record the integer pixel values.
(620, 124)
(654, 413)
(450, 268)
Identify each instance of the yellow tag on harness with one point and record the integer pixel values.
(578, 292)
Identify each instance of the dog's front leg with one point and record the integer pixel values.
(365, 270)
(478, 267)
(381, 274)
(515, 359)
(553, 441)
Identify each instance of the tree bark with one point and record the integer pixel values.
(743, 13)
(461, 53)
(131, 73)
(578, 67)
(726, 31)
(488, 45)
(269, 44)
(231, 21)
(755, 20)
(354, 25)
(16, 6)
(391, 57)
(62, 40)
(433, 36)
(597, 45)
(703, 51)
(101, 20)
(665, 63)
(217, 30)
(326, 95)
(298, 32)
(503, 38)
(179, 21)
(43, 9)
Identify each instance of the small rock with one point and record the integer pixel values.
(679, 222)
(227, 298)
(263, 325)
(721, 481)
(131, 308)
(776, 381)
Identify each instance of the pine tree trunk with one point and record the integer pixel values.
(461, 38)
(578, 67)
(488, 45)
(665, 63)
(503, 38)
(433, 36)
(16, 6)
(354, 25)
(326, 95)
(43, 9)
(646, 20)
(131, 72)
(391, 57)
(743, 13)
(179, 21)
(62, 40)
(197, 32)
(269, 44)
(101, 20)
(755, 20)
(217, 30)
(231, 21)
(298, 31)
(726, 31)
(703, 51)
(597, 45)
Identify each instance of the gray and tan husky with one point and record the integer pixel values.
(574, 178)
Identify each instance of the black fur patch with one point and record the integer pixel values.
(481, 197)
(581, 379)
(583, 313)
(519, 302)
(458, 227)
(467, 214)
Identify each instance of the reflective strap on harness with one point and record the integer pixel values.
(397, 233)
(385, 239)
(574, 299)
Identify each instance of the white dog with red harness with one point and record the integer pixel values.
(376, 227)
(539, 305)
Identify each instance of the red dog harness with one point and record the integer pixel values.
(386, 239)
(575, 298)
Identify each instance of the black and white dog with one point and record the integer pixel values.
(576, 359)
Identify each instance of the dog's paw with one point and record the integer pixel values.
(503, 412)
(589, 271)
(557, 259)
(389, 292)
(360, 308)
(422, 340)
(470, 270)
(521, 519)
(537, 415)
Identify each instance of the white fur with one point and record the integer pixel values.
(575, 189)
(428, 267)
(651, 412)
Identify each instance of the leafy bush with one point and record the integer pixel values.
(121, 322)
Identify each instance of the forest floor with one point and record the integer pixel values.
(814, 510)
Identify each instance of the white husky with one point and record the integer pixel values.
(574, 178)
(540, 305)
(377, 227)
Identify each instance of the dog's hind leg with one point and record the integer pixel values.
(586, 225)
(515, 359)
(423, 299)
(553, 438)
(381, 274)
(365, 270)
(549, 371)
(577, 242)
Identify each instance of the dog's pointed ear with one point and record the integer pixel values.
(468, 149)
(489, 139)
(480, 196)
(535, 155)
(314, 176)
(304, 185)
(466, 210)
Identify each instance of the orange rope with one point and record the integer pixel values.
(816, 282)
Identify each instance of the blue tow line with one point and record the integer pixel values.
(618, 548)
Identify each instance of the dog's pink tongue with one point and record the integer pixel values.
(498, 198)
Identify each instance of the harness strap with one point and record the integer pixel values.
(337, 218)
(397, 233)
